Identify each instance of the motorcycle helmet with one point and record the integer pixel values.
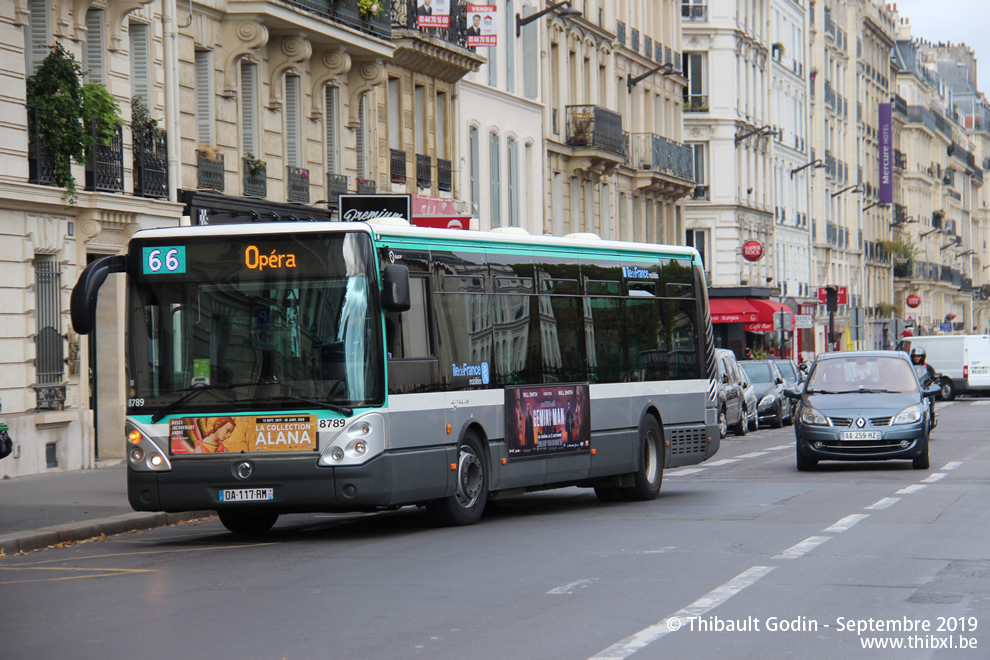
(918, 355)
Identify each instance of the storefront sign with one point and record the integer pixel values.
(843, 295)
(804, 321)
(752, 250)
(886, 126)
(913, 301)
(547, 420)
(369, 208)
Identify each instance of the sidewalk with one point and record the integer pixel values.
(41, 510)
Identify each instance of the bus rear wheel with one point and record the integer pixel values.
(649, 476)
(467, 504)
(247, 522)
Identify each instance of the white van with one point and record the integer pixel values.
(963, 361)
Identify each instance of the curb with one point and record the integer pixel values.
(27, 541)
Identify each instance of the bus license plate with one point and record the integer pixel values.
(861, 435)
(247, 494)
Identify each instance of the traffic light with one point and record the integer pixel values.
(831, 299)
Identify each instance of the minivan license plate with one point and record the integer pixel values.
(247, 494)
(861, 435)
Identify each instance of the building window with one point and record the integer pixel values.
(204, 97)
(558, 204)
(698, 239)
(420, 110)
(512, 157)
(474, 165)
(530, 46)
(140, 43)
(495, 176)
(49, 353)
(94, 50)
(441, 127)
(362, 141)
(293, 147)
(695, 94)
(249, 110)
(331, 121)
(394, 112)
(37, 35)
(492, 69)
(510, 51)
(701, 190)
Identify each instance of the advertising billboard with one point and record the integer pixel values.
(217, 435)
(886, 155)
(481, 26)
(548, 420)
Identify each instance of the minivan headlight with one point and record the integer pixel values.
(811, 416)
(909, 415)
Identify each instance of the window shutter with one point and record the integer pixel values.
(512, 149)
(330, 123)
(495, 175)
(292, 147)
(140, 63)
(204, 97)
(360, 139)
(94, 48)
(475, 164)
(510, 50)
(531, 58)
(248, 113)
(37, 35)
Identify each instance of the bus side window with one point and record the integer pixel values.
(407, 334)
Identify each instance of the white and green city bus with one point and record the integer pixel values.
(345, 366)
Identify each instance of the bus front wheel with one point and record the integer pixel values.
(247, 522)
(647, 479)
(467, 504)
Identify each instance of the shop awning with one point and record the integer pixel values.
(766, 310)
(732, 310)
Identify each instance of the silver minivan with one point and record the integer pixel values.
(733, 409)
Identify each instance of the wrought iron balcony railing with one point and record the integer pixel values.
(255, 179)
(660, 154)
(444, 175)
(150, 164)
(105, 162)
(298, 184)
(397, 165)
(594, 126)
(209, 170)
(424, 171)
(695, 103)
(700, 193)
(336, 186)
(41, 161)
(345, 12)
(694, 12)
(366, 186)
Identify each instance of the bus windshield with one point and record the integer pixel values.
(257, 322)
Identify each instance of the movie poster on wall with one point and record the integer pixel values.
(481, 26)
(548, 420)
(433, 13)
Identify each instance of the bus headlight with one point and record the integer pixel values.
(144, 454)
(356, 443)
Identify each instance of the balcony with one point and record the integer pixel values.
(900, 214)
(439, 52)
(255, 179)
(297, 179)
(41, 162)
(904, 270)
(336, 186)
(695, 103)
(700, 193)
(424, 171)
(150, 164)
(662, 165)
(444, 175)
(900, 160)
(209, 170)
(345, 12)
(105, 163)
(397, 166)
(595, 127)
(366, 187)
(694, 12)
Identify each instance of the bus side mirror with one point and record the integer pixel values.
(395, 289)
(82, 305)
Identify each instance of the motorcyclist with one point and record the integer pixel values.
(926, 375)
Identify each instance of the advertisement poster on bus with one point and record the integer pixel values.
(481, 31)
(433, 13)
(542, 421)
(217, 435)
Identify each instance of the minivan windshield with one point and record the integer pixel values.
(758, 372)
(862, 374)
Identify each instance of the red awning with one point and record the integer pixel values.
(766, 310)
(732, 310)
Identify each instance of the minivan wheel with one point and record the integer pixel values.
(723, 424)
(743, 425)
(922, 462)
(805, 464)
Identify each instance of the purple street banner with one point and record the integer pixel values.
(481, 31)
(886, 155)
(553, 419)
(433, 13)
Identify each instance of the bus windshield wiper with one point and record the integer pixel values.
(193, 392)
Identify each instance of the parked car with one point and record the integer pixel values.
(792, 377)
(749, 396)
(962, 361)
(730, 390)
(862, 406)
(773, 407)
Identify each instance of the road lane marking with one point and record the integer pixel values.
(660, 551)
(724, 461)
(681, 473)
(787, 446)
(802, 548)
(882, 504)
(672, 623)
(568, 589)
(913, 488)
(847, 522)
(753, 454)
(932, 478)
(954, 464)
(977, 403)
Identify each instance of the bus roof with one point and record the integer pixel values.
(435, 236)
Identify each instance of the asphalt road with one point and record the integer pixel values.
(741, 557)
